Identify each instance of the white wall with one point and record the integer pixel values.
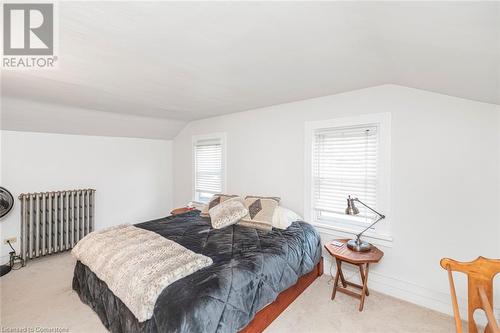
(133, 177)
(37, 116)
(445, 176)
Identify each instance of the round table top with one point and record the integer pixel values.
(345, 254)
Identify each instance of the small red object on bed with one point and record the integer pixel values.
(181, 210)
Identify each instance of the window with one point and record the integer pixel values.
(344, 163)
(348, 156)
(209, 166)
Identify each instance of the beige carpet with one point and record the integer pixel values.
(40, 296)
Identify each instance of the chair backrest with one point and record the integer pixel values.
(480, 274)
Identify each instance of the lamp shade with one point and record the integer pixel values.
(351, 208)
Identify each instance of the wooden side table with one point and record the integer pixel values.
(360, 259)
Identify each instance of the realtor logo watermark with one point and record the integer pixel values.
(29, 36)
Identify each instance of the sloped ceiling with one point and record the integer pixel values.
(186, 61)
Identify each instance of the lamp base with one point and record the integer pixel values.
(358, 246)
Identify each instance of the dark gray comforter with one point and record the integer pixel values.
(251, 267)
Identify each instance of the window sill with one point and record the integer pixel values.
(342, 232)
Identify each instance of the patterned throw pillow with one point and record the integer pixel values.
(227, 213)
(214, 201)
(260, 212)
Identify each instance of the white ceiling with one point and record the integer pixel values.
(190, 60)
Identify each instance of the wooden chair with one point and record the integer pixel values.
(480, 274)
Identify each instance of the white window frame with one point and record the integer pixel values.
(346, 227)
(212, 136)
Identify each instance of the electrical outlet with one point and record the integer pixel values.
(11, 240)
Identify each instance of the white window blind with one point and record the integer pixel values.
(344, 163)
(209, 168)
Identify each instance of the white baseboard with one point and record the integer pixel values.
(410, 292)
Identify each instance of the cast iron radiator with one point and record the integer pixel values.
(52, 222)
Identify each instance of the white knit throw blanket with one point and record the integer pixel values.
(137, 264)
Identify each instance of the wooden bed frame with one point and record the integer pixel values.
(267, 315)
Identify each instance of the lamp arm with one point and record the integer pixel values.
(371, 225)
(381, 217)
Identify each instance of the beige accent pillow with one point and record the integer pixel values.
(283, 217)
(227, 213)
(260, 212)
(214, 201)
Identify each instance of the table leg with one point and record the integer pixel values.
(337, 275)
(365, 286)
(361, 272)
(342, 278)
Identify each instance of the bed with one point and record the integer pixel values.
(254, 276)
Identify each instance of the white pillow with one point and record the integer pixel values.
(283, 217)
(227, 212)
